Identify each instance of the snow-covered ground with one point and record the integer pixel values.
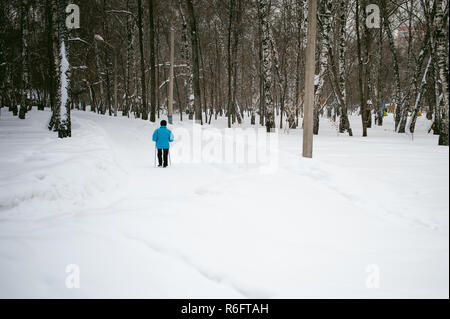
(366, 218)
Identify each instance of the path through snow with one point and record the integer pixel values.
(311, 229)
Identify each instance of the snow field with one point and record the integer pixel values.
(318, 228)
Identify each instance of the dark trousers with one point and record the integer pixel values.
(163, 153)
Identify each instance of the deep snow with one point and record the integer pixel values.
(310, 229)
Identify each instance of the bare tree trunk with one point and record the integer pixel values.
(379, 86)
(126, 108)
(234, 56)
(367, 65)
(229, 62)
(185, 53)
(398, 92)
(51, 72)
(261, 76)
(171, 78)
(152, 62)
(23, 56)
(412, 124)
(309, 81)
(60, 121)
(267, 64)
(344, 123)
(325, 30)
(363, 102)
(116, 98)
(195, 63)
(442, 60)
(141, 51)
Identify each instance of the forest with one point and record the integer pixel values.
(232, 58)
(153, 149)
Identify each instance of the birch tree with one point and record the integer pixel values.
(266, 67)
(344, 123)
(397, 88)
(442, 63)
(325, 30)
(60, 120)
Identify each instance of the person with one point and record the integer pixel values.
(163, 137)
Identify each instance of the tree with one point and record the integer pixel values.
(309, 81)
(264, 9)
(344, 123)
(362, 79)
(231, 66)
(60, 120)
(186, 58)
(442, 62)
(325, 30)
(195, 62)
(396, 69)
(23, 58)
(152, 62)
(141, 51)
(3, 32)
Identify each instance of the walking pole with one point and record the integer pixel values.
(155, 155)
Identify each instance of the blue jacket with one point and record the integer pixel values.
(162, 136)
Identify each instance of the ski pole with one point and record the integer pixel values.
(155, 155)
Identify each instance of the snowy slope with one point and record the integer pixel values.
(312, 228)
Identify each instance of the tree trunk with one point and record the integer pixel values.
(60, 121)
(23, 53)
(325, 30)
(344, 123)
(379, 86)
(152, 62)
(412, 124)
(229, 62)
(309, 81)
(185, 53)
(141, 51)
(397, 89)
(442, 60)
(363, 102)
(195, 63)
(267, 65)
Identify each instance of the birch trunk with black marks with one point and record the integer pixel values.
(361, 77)
(419, 94)
(344, 123)
(325, 30)
(392, 48)
(60, 121)
(442, 62)
(264, 10)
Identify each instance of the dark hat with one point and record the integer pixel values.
(163, 123)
